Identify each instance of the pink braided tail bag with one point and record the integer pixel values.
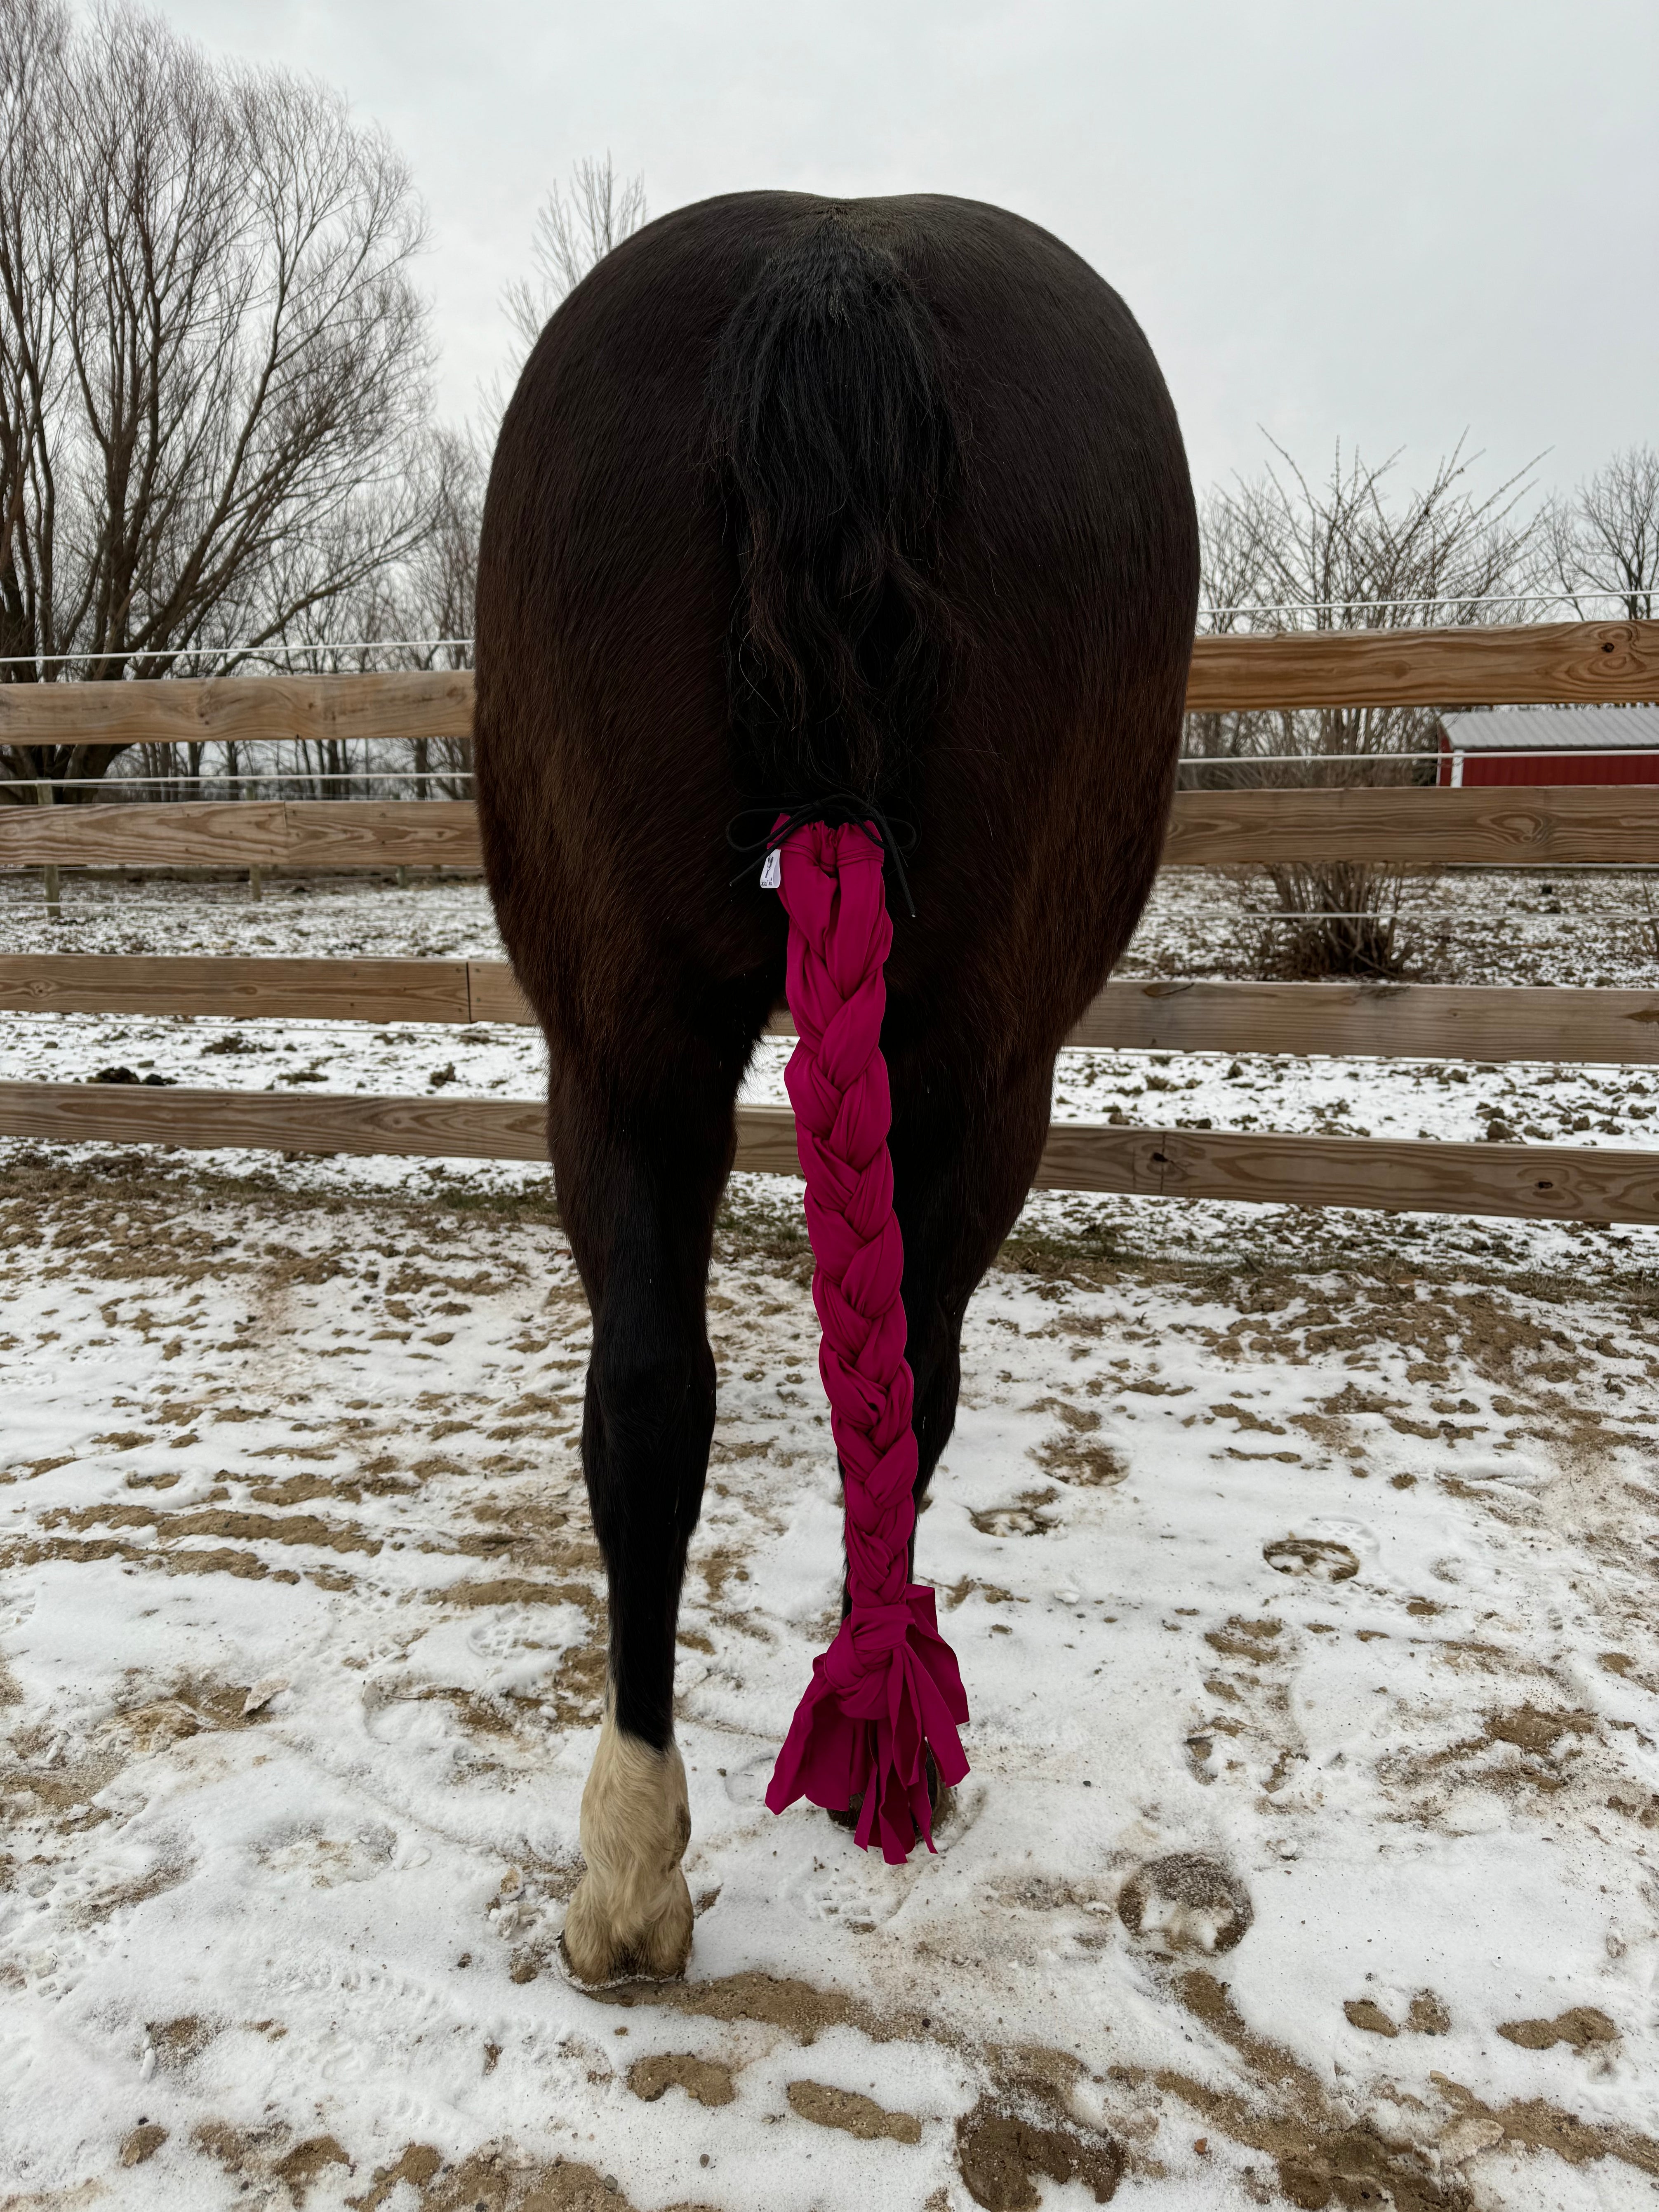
(888, 1689)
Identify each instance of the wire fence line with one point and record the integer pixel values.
(248, 650)
(253, 649)
(1451, 601)
(127, 782)
(303, 778)
(1233, 761)
(386, 780)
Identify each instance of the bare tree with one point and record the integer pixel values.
(214, 363)
(422, 608)
(1342, 550)
(575, 227)
(1604, 541)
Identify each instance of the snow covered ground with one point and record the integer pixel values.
(1302, 1568)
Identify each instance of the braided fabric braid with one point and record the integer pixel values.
(887, 1691)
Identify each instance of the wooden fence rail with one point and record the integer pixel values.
(1549, 1182)
(1514, 665)
(1409, 1021)
(1412, 827)
(1529, 664)
(1403, 827)
(249, 833)
(249, 709)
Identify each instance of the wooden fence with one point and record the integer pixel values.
(1554, 663)
(1405, 826)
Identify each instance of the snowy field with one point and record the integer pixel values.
(1302, 1568)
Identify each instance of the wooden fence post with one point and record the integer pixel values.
(255, 884)
(49, 874)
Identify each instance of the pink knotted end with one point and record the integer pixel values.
(887, 1691)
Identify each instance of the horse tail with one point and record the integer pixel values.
(832, 431)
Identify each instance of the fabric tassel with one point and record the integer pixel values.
(887, 1690)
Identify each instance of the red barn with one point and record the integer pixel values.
(1550, 744)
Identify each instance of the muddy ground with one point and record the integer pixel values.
(1301, 1567)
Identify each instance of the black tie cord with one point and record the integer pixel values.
(837, 807)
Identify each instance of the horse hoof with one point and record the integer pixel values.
(940, 1801)
(630, 1918)
(1185, 1902)
(596, 1954)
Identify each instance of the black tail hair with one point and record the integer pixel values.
(838, 456)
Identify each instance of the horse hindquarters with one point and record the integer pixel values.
(987, 633)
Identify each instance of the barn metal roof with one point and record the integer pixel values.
(1553, 730)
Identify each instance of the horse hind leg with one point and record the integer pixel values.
(639, 1208)
(962, 1164)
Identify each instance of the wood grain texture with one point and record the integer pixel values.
(1409, 827)
(1530, 1181)
(1407, 1021)
(213, 833)
(134, 1113)
(1554, 1182)
(1533, 663)
(413, 833)
(1537, 663)
(493, 994)
(766, 1141)
(1414, 1021)
(290, 990)
(438, 704)
(245, 833)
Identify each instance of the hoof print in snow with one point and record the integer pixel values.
(1427, 2016)
(1022, 1518)
(1583, 2026)
(1186, 1903)
(1002, 2152)
(1200, 1750)
(1075, 1454)
(307, 2162)
(144, 2142)
(857, 2116)
(705, 2078)
(176, 2042)
(1532, 1730)
(417, 2164)
(1311, 1555)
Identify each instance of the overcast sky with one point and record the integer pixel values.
(1390, 222)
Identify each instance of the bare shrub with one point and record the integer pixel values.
(1647, 928)
(1291, 551)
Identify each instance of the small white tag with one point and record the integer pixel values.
(772, 870)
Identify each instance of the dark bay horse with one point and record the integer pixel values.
(799, 496)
